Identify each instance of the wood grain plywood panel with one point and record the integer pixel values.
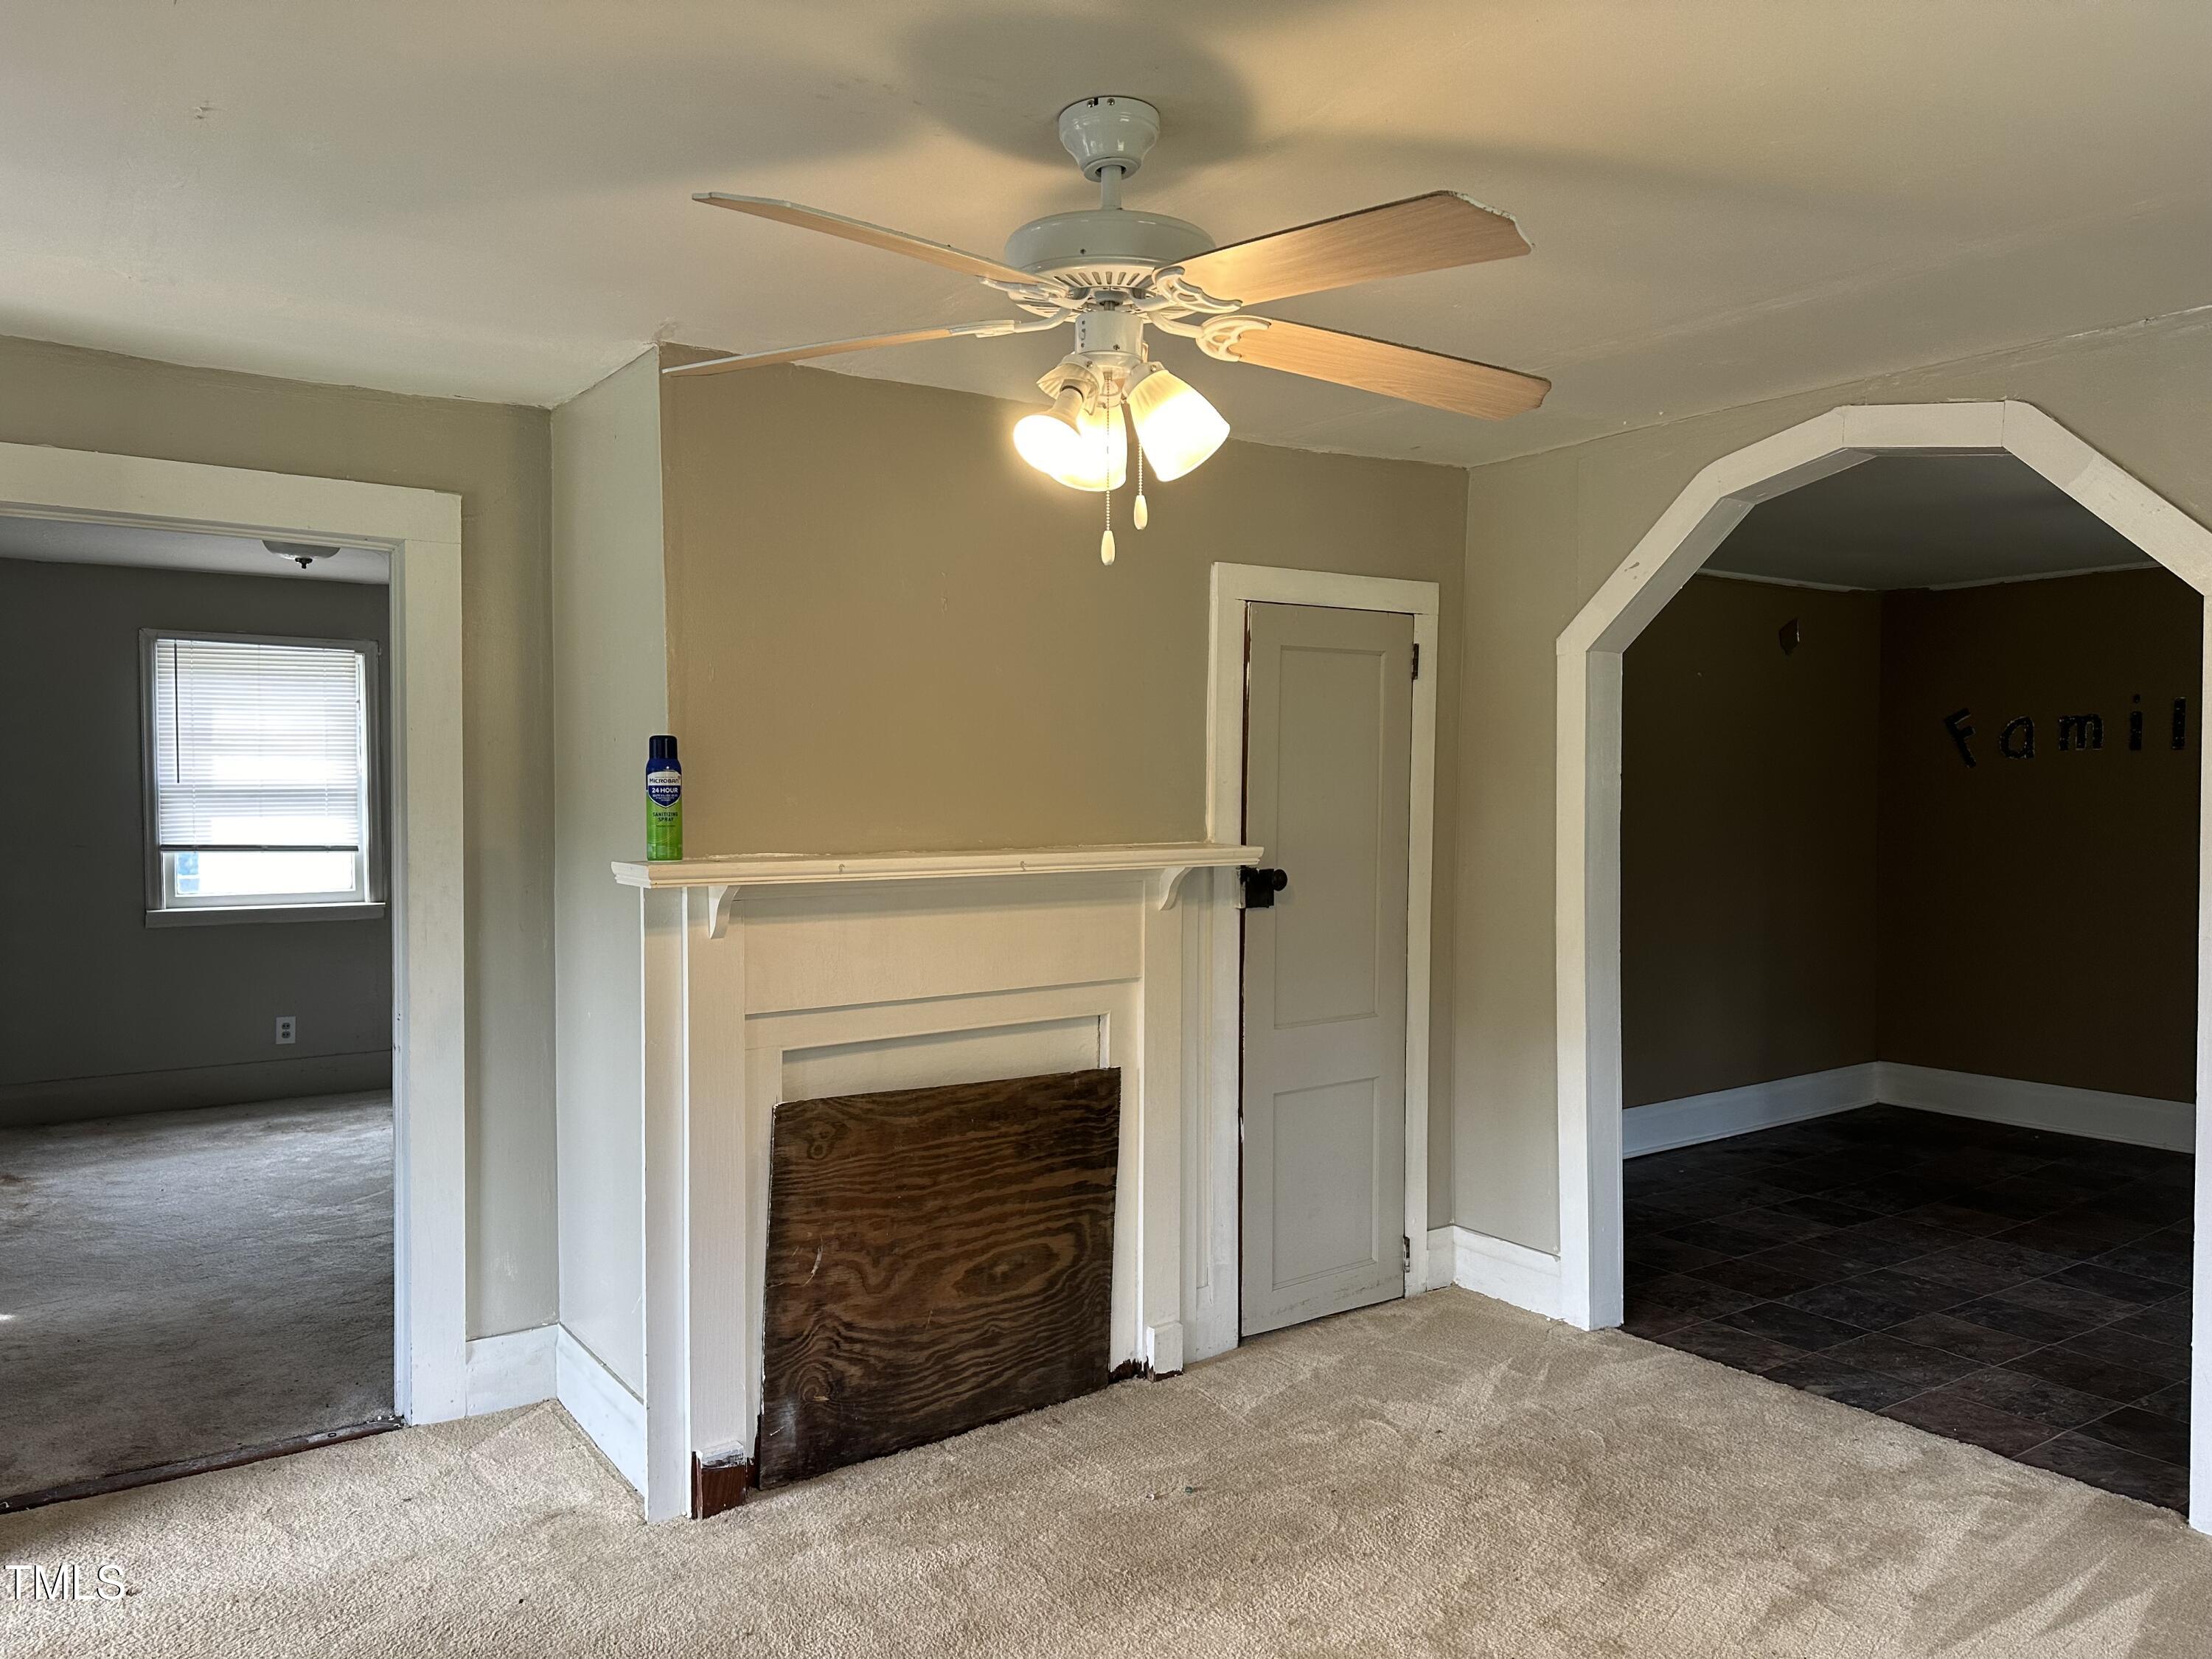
(937, 1258)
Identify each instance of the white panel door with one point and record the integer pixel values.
(1327, 786)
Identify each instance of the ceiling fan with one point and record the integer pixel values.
(1113, 271)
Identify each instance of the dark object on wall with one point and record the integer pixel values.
(2081, 732)
(1960, 728)
(937, 1258)
(1261, 885)
(2077, 733)
(1789, 635)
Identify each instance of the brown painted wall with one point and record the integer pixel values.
(1812, 877)
(2038, 915)
(885, 632)
(1748, 839)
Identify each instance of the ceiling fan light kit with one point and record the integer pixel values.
(1077, 442)
(1178, 428)
(1113, 271)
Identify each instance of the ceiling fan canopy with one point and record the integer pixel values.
(1112, 273)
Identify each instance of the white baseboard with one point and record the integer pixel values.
(610, 1413)
(1495, 1268)
(1695, 1119)
(1440, 1263)
(2133, 1120)
(1164, 1348)
(502, 1372)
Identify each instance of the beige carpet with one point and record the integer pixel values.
(1445, 1475)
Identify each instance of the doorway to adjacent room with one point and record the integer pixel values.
(1928, 1090)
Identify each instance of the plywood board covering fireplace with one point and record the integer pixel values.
(937, 1258)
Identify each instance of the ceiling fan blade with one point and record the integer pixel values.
(831, 348)
(856, 230)
(1395, 371)
(1422, 233)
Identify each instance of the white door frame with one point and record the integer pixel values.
(421, 531)
(1235, 586)
(1589, 791)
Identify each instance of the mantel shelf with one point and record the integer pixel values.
(1166, 862)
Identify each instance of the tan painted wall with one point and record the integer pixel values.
(611, 693)
(885, 632)
(1748, 828)
(1543, 532)
(2039, 916)
(497, 458)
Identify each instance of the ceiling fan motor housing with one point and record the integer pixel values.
(1104, 247)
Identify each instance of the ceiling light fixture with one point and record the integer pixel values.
(1179, 430)
(1114, 271)
(302, 554)
(1080, 440)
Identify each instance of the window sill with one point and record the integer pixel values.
(213, 915)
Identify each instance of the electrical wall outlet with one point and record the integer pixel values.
(287, 1028)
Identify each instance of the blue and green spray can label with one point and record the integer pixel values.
(663, 800)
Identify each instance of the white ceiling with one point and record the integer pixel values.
(72, 541)
(1729, 198)
(1923, 522)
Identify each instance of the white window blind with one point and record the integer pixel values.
(260, 762)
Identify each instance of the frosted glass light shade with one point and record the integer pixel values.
(1178, 426)
(1082, 447)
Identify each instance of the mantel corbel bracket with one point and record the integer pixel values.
(722, 904)
(1163, 886)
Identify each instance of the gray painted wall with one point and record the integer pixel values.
(498, 460)
(100, 1014)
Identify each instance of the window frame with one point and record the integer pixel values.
(162, 914)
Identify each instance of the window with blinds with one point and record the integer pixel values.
(259, 755)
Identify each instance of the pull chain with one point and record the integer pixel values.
(1106, 541)
(1140, 516)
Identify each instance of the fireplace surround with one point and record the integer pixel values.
(767, 978)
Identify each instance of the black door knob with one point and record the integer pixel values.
(1261, 886)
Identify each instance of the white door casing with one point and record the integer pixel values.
(1587, 825)
(1210, 1261)
(1327, 780)
(421, 530)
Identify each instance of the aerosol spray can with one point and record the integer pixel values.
(663, 800)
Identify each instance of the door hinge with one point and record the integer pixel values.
(1406, 1255)
(1417, 662)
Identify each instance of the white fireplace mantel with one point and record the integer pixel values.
(1166, 862)
(775, 977)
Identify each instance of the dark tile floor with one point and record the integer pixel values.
(2024, 1292)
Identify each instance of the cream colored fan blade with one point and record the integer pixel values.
(831, 348)
(856, 230)
(1395, 371)
(1422, 233)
